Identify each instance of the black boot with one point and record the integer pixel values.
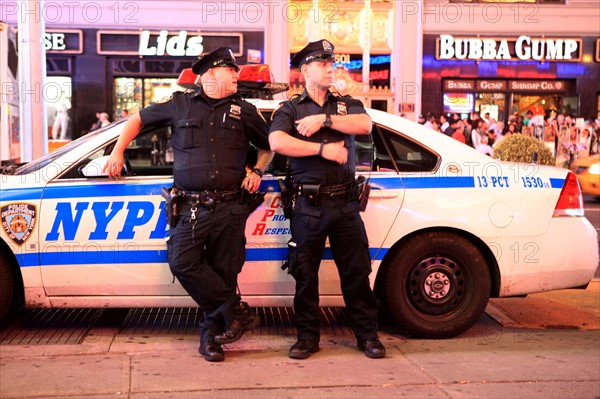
(211, 351)
(303, 348)
(373, 348)
(253, 317)
(236, 327)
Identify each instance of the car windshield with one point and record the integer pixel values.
(39, 163)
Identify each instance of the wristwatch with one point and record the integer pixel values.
(327, 122)
(258, 172)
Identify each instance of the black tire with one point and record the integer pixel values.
(7, 287)
(437, 285)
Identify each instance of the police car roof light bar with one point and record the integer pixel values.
(254, 81)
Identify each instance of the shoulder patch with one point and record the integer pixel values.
(260, 114)
(165, 99)
(281, 104)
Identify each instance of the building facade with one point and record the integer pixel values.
(407, 56)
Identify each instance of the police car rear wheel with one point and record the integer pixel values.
(437, 285)
(7, 287)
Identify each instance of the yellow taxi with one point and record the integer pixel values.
(587, 170)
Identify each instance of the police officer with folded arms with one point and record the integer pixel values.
(211, 130)
(316, 130)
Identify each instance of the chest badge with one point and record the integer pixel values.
(341, 108)
(18, 221)
(235, 112)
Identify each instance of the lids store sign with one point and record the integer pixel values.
(165, 43)
(178, 45)
(523, 48)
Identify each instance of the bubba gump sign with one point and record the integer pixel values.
(523, 48)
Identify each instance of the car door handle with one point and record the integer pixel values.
(381, 194)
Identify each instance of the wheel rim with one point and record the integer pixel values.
(438, 286)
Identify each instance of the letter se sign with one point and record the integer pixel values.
(521, 48)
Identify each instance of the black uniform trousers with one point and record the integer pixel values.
(311, 225)
(207, 256)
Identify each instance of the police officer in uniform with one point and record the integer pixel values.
(316, 130)
(211, 130)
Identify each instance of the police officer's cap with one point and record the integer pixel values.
(321, 50)
(223, 56)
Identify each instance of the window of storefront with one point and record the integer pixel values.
(133, 94)
(462, 104)
(492, 103)
(546, 102)
(57, 94)
(128, 95)
(379, 70)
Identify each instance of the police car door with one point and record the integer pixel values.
(104, 236)
(267, 230)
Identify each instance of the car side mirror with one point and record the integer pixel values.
(94, 167)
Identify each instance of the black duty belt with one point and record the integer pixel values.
(335, 191)
(209, 198)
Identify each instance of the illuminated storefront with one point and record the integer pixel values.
(92, 71)
(62, 46)
(509, 75)
(363, 39)
(143, 65)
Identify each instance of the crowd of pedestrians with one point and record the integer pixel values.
(484, 133)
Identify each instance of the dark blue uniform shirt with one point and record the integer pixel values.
(210, 138)
(316, 169)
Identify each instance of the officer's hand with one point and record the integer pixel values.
(308, 125)
(335, 152)
(114, 165)
(251, 182)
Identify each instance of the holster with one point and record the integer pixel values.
(287, 198)
(360, 192)
(291, 264)
(312, 193)
(173, 202)
(253, 200)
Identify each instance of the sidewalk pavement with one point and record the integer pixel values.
(491, 360)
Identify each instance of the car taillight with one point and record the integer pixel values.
(570, 202)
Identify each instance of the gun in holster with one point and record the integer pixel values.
(253, 200)
(360, 192)
(287, 197)
(174, 200)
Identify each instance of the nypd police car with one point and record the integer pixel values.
(448, 228)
